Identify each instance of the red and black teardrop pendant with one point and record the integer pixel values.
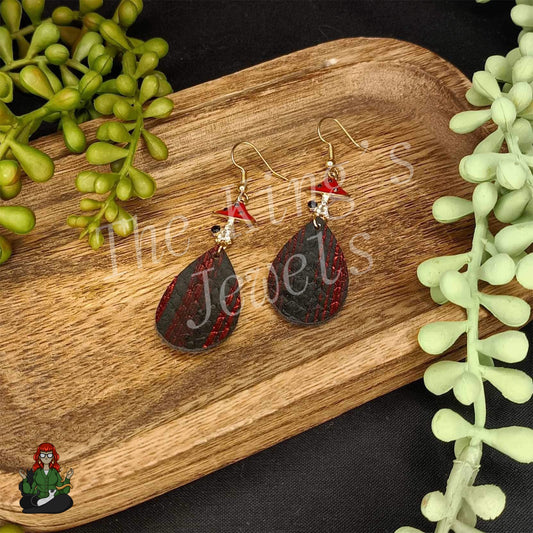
(308, 279)
(201, 307)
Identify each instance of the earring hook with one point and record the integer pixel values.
(330, 146)
(244, 181)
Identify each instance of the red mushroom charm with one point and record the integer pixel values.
(331, 187)
(237, 211)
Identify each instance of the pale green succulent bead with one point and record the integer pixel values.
(105, 182)
(430, 271)
(522, 15)
(436, 337)
(66, 99)
(481, 166)
(524, 271)
(147, 63)
(437, 296)
(57, 54)
(477, 99)
(5, 250)
(511, 205)
(526, 44)
(37, 165)
(434, 506)
(523, 69)
(484, 198)
(514, 441)
(149, 88)
(62, 16)
(11, 12)
(448, 426)
(17, 219)
(124, 224)
(96, 239)
(491, 143)
(162, 108)
(85, 44)
(124, 189)
(515, 385)
(143, 184)
(523, 131)
(509, 310)
(114, 35)
(90, 5)
(447, 209)
(514, 239)
(468, 121)
(102, 153)
(127, 13)
(6, 88)
(498, 269)
(455, 288)
(508, 346)
(487, 501)
(85, 180)
(521, 94)
(126, 85)
(6, 45)
(89, 84)
(499, 67)
(44, 35)
(440, 377)
(467, 388)
(34, 9)
(485, 83)
(513, 56)
(34, 80)
(73, 135)
(503, 112)
(156, 147)
(9, 172)
(512, 174)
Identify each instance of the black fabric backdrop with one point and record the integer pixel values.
(366, 471)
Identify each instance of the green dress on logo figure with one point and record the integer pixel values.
(42, 487)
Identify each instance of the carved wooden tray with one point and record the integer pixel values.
(82, 366)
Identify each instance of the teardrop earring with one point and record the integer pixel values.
(308, 279)
(201, 306)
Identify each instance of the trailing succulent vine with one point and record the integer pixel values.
(501, 169)
(69, 60)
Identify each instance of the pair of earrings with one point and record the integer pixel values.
(307, 281)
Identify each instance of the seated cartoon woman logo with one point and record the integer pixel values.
(42, 488)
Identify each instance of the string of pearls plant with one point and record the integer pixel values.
(69, 59)
(504, 187)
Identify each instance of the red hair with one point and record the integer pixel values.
(46, 447)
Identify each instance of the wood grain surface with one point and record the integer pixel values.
(82, 366)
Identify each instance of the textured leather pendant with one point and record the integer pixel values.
(308, 279)
(201, 306)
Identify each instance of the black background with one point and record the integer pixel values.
(366, 471)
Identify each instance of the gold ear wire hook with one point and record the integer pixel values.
(244, 181)
(331, 154)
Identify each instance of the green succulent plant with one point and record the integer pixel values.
(69, 60)
(503, 180)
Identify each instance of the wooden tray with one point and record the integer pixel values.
(82, 366)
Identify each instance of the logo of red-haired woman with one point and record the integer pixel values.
(42, 487)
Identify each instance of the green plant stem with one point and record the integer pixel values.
(16, 128)
(128, 161)
(21, 63)
(464, 469)
(80, 67)
(31, 28)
